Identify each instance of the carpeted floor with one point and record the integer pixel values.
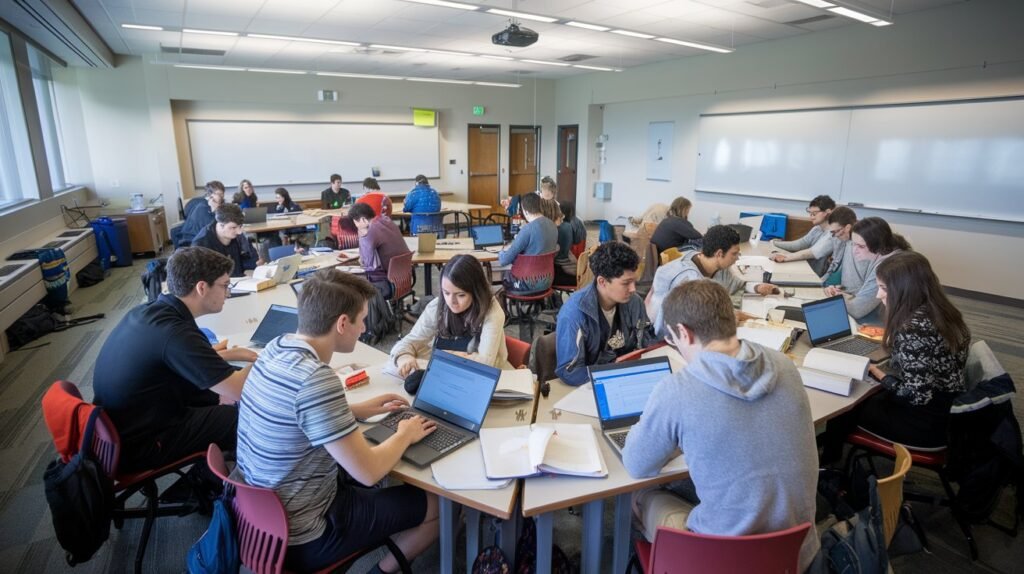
(27, 543)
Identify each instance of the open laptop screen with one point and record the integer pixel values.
(826, 319)
(621, 389)
(487, 236)
(278, 321)
(457, 390)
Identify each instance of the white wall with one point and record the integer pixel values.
(967, 50)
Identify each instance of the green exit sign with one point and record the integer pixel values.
(478, 110)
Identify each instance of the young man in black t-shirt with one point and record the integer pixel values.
(334, 196)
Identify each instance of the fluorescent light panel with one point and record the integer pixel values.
(295, 39)
(497, 84)
(849, 13)
(596, 68)
(522, 15)
(546, 63)
(817, 3)
(270, 71)
(697, 45)
(446, 4)
(492, 57)
(399, 48)
(450, 53)
(204, 67)
(208, 32)
(439, 81)
(364, 76)
(881, 23)
(586, 26)
(632, 34)
(142, 27)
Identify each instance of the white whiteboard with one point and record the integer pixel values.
(953, 158)
(283, 153)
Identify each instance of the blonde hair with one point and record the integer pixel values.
(680, 207)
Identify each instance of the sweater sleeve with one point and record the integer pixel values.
(797, 244)
(492, 338)
(656, 436)
(420, 340)
(865, 300)
(507, 256)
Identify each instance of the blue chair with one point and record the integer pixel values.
(280, 251)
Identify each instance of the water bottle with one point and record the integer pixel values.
(138, 203)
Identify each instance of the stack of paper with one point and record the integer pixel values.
(515, 385)
(464, 470)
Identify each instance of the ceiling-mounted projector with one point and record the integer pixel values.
(515, 36)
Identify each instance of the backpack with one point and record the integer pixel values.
(857, 545)
(491, 560)
(91, 274)
(81, 500)
(56, 276)
(35, 323)
(379, 320)
(153, 279)
(526, 553)
(216, 551)
(584, 275)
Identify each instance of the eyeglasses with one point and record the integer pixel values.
(813, 212)
(225, 285)
(835, 232)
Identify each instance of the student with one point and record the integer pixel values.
(603, 320)
(284, 202)
(468, 321)
(718, 254)
(549, 206)
(423, 199)
(161, 378)
(740, 413)
(570, 233)
(873, 241)
(548, 188)
(225, 237)
(379, 241)
(297, 435)
(245, 197)
(373, 197)
(817, 244)
(201, 215)
(334, 196)
(537, 237)
(675, 230)
(929, 342)
(845, 270)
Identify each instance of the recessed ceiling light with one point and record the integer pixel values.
(843, 11)
(695, 45)
(204, 67)
(497, 84)
(439, 81)
(522, 15)
(492, 57)
(295, 39)
(450, 53)
(446, 4)
(586, 26)
(817, 3)
(597, 68)
(881, 23)
(141, 27)
(210, 32)
(399, 48)
(269, 71)
(365, 76)
(546, 63)
(632, 34)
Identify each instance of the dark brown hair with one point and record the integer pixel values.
(287, 196)
(213, 187)
(465, 272)
(361, 211)
(879, 237)
(911, 284)
(843, 216)
(230, 213)
(823, 202)
(703, 306)
(530, 203)
(371, 183)
(329, 294)
(335, 177)
(190, 265)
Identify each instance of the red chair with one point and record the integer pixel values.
(531, 276)
(261, 525)
(58, 403)
(680, 551)
(639, 353)
(518, 351)
(344, 231)
(402, 278)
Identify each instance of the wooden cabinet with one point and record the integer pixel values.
(147, 231)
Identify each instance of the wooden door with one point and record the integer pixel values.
(523, 159)
(484, 161)
(568, 152)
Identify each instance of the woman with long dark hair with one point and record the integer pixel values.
(466, 319)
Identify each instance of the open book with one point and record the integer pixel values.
(263, 277)
(515, 385)
(833, 371)
(773, 337)
(511, 452)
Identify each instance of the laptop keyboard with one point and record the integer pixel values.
(619, 438)
(440, 440)
(854, 346)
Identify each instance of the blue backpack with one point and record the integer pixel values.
(216, 552)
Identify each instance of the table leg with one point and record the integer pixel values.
(472, 535)
(620, 540)
(544, 542)
(593, 512)
(507, 535)
(428, 280)
(447, 511)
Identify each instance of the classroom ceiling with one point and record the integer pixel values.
(733, 24)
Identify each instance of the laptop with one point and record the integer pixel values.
(280, 271)
(455, 393)
(278, 321)
(426, 242)
(255, 214)
(487, 236)
(621, 391)
(297, 286)
(792, 279)
(828, 326)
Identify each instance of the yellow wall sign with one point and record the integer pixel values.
(424, 118)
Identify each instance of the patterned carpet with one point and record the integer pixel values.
(27, 543)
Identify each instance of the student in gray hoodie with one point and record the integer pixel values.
(740, 415)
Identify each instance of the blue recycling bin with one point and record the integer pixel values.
(112, 242)
(773, 226)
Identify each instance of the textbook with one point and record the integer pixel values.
(778, 338)
(833, 371)
(464, 470)
(512, 452)
(515, 385)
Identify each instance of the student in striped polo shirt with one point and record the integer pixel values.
(295, 427)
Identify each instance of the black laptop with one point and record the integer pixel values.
(278, 321)
(621, 391)
(255, 214)
(485, 236)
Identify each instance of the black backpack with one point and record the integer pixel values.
(380, 320)
(81, 499)
(526, 553)
(153, 278)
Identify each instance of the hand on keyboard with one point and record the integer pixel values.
(416, 427)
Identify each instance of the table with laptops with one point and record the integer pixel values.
(484, 243)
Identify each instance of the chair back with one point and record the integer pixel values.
(890, 491)
(677, 551)
(261, 523)
(544, 359)
(518, 351)
(578, 248)
(400, 275)
(66, 420)
(669, 255)
(639, 353)
(344, 232)
(533, 273)
(279, 251)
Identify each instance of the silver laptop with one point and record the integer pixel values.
(278, 321)
(255, 214)
(621, 391)
(287, 267)
(792, 280)
(828, 326)
(454, 393)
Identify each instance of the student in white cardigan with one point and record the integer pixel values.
(466, 319)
